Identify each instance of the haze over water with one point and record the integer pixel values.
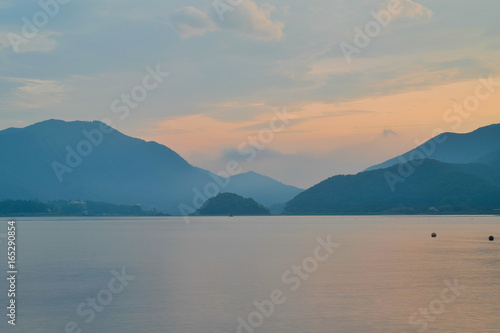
(201, 277)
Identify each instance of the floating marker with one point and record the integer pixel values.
(433, 235)
(492, 238)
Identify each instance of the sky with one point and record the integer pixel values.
(355, 82)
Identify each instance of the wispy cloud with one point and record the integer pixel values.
(37, 94)
(247, 19)
(410, 11)
(253, 21)
(302, 117)
(42, 42)
(189, 22)
(414, 11)
(389, 132)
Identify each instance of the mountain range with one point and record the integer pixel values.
(89, 161)
(476, 146)
(78, 160)
(451, 173)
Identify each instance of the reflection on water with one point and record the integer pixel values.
(387, 275)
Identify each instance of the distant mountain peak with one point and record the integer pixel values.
(452, 147)
(59, 122)
(66, 160)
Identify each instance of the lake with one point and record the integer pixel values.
(255, 274)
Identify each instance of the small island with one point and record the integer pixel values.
(231, 204)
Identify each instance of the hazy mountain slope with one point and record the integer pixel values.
(453, 147)
(492, 159)
(483, 171)
(262, 189)
(120, 169)
(487, 168)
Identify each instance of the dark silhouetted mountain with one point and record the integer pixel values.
(485, 172)
(58, 160)
(459, 173)
(453, 148)
(486, 168)
(231, 204)
(433, 186)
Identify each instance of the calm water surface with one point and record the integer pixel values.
(387, 275)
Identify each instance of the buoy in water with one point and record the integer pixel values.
(492, 238)
(433, 235)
